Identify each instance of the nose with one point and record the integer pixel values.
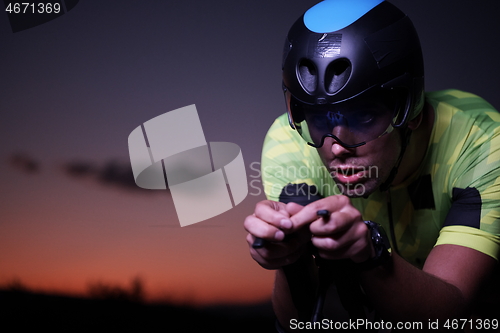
(338, 146)
(339, 151)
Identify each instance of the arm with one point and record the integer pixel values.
(286, 287)
(271, 222)
(301, 277)
(292, 262)
(445, 288)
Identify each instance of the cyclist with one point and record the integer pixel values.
(363, 148)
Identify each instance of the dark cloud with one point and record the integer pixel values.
(112, 173)
(24, 163)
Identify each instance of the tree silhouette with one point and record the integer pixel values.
(134, 293)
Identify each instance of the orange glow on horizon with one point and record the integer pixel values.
(62, 240)
(175, 294)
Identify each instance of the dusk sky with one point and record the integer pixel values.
(72, 90)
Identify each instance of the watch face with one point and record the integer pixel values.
(384, 239)
(379, 238)
(381, 245)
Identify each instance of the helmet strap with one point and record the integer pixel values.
(405, 139)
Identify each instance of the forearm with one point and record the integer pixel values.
(294, 290)
(402, 292)
(283, 305)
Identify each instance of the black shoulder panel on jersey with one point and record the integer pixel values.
(420, 192)
(465, 209)
(301, 194)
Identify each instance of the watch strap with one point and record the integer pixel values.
(381, 245)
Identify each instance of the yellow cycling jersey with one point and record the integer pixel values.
(454, 198)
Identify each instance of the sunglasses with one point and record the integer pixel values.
(351, 123)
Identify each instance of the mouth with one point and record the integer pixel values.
(348, 174)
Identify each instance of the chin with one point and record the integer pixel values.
(359, 190)
(358, 194)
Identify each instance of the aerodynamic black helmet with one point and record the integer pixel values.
(352, 70)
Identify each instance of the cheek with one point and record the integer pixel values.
(325, 152)
(386, 152)
(382, 148)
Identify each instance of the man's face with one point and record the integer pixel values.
(360, 171)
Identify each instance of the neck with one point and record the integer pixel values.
(417, 147)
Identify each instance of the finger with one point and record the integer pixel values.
(355, 243)
(278, 263)
(273, 213)
(276, 255)
(291, 242)
(358, 251)
(337, 222)
(308, 213)
(267, 211)
(279, 250)
(358, 231)
(259, 228)
(293, 208)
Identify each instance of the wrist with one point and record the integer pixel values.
(381, 246)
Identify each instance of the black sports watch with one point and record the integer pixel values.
(381, 245)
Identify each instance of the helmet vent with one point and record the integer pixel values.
(337, 74)
(308, 75)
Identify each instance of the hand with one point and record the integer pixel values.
(271, 221)
(343, 236)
